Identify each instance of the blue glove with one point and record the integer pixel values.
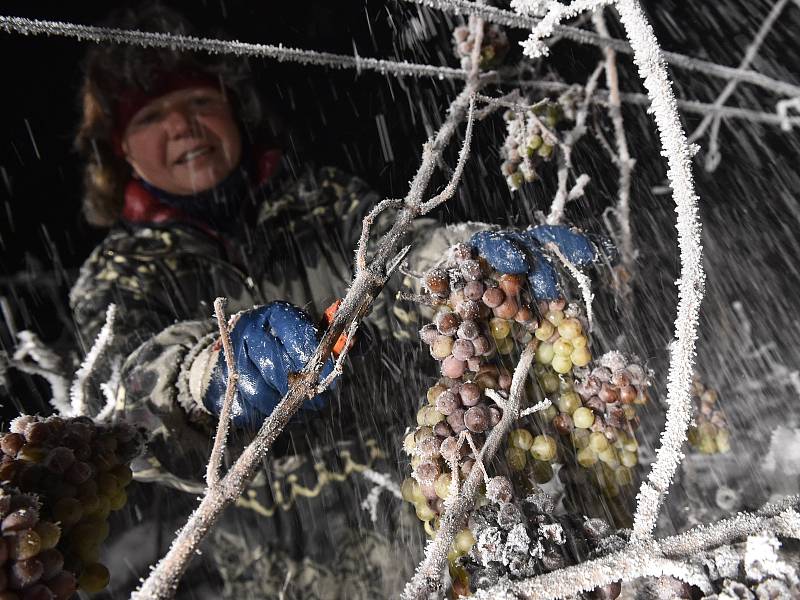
(268, 343)
(524, 252)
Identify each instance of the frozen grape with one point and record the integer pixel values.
(468, 330)
(474, 290)
(470, 394)
(441, 347)
(94, 578)
(493, 297)
(25, 572)
(19, 520)
(545, 353)
(543, 448)
(23, 545)
(521, 438)
(437, 281)
(428, 333)
(447, 323)
(476, 419)
(463, 349)
(507, 309)
(11, 443)
(583, 418)
(453, 368)
(561, 364)
(511, 284)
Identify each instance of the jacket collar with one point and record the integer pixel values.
(143, 208)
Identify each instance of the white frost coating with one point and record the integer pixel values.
(675, 148)
(77, 392)
(109, 389)
(280, 53)
(382, 482)
(533, 47)
(48, 366)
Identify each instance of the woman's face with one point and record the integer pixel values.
(184, 142)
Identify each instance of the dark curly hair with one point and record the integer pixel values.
(113, 70)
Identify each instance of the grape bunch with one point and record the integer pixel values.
(493, 48)
(710, 433)
(592, 420)
(31, 566)
(521, 539)
(79, 470)
(530, 141)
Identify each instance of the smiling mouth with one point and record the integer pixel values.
(193, 154)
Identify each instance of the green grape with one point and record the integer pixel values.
(550, 383)
(107, 484)
(580, 438)
(545, 353)
(544, 331)
(464, 541)
(68, 511)
(516, 458)
(723, 440)
(562, 347)
(623, 475)
(568, 402)
(24, 544)
(499, 328)
(598, 441)
(49, 534)
(424, 512)
(580, 356)
(628, 459)
(94, 578)
(542, 471)
(562, 364)
(407, 490)
(583, 418)
(586, 457)
(543, 448)
(521, 438)
(442, 485)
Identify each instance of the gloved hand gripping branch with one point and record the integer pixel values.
(524, 252)
(269, 343)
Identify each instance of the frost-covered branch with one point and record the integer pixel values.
(429, 570)
(601, 96)
(583, 281)
(622, 158)
(77, 392)
(148, 39)
(653, 72)
(566, 146)
(582, 36)
(534, 47)
(749, 55)
(47, 365)
(214, 468)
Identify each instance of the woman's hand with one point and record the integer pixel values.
(269, 343)
(518, 252)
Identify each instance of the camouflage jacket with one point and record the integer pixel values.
(300, 530)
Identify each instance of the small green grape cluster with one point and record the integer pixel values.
(79, 470)
(528, 143)
(710, 433)
(31, 566)
(482, 316)
(592, 420)
(494, 46)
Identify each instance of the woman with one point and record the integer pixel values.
(198, 209)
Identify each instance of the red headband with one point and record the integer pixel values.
(133, 100)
